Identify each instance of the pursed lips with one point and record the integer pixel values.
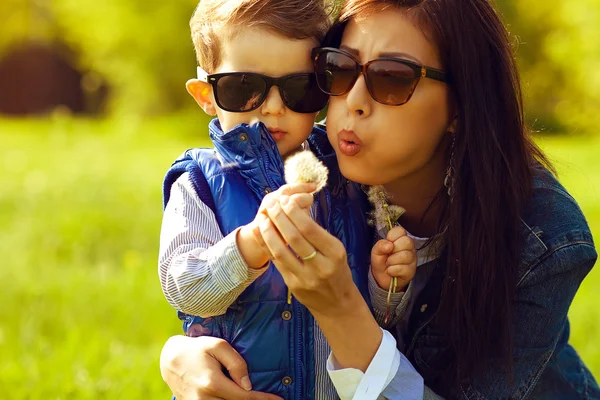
(349, 143)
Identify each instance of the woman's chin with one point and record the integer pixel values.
(353, 171)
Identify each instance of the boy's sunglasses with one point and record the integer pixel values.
(246, 91)
(390, 81)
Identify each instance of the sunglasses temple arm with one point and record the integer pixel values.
(202, 74)
(435, 74)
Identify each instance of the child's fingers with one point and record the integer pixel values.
(404, 273)
(382, 248)
(379, 255)
(404, 243)
(260, 218)
(404, 257)
(396, 233)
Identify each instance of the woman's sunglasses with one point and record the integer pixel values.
(246, 91)
(390, 81)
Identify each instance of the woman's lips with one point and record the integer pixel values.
(349, 143)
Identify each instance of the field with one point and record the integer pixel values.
(82, 315)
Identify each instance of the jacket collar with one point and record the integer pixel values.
(251, 150)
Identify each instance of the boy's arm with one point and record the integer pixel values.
(398, 303)
(394, 256)
(201, 272)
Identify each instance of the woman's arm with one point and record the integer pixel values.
(324, 283)
(360, 351)
(364, 361)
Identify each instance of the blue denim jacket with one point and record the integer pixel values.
(558, 254)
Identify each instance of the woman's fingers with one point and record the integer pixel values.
(258, 396)
(288, 231)
(293, 188)
(215, 385)
(321, 240)
(301, 200)
(231, 360)
(286, 190)
(281, 255)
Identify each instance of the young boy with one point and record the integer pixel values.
(255, 74)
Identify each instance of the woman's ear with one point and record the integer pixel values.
(202, 92)
(452, 126)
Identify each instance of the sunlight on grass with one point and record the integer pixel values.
(82, 313)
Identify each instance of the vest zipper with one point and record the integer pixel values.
(270, 182)
(299, 350)
(298, 312)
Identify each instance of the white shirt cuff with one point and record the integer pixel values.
(353, 384)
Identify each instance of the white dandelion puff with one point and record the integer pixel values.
(304, 167)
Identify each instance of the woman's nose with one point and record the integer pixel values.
(358, 98)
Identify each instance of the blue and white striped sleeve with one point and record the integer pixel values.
(201, 272)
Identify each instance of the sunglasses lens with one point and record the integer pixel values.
(391, 82)
(301, 94)
(240, 92)
(335, 72)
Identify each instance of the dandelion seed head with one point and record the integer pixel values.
(382, 214)
(304, 167)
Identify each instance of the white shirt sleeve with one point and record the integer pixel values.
(389, 376)
(201, 272)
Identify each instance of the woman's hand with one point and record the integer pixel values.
(314, 266)
(254, 255)
(193, 369)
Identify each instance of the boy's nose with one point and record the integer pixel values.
(273, 103)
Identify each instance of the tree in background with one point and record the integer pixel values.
(144, 51)
(141, 48)
(557, 45)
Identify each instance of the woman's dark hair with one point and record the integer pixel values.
(494, 159)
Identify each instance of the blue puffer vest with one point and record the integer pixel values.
(275, 338)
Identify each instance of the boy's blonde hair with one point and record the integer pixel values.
(217, 20)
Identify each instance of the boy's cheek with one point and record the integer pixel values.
(229, 120)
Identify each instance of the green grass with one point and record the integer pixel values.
(82, 315)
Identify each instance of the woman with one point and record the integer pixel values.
(426, 102)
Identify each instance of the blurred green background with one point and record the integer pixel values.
(93, 110)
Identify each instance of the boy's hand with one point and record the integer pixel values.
(394, 256)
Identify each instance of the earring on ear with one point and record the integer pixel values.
(450, 179)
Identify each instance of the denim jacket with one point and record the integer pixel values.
(558, 253)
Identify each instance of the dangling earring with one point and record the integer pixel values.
(450, 179)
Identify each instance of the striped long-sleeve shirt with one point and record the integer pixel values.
(202, 272)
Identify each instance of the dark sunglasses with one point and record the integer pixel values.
(390, 81)
(246, 91)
